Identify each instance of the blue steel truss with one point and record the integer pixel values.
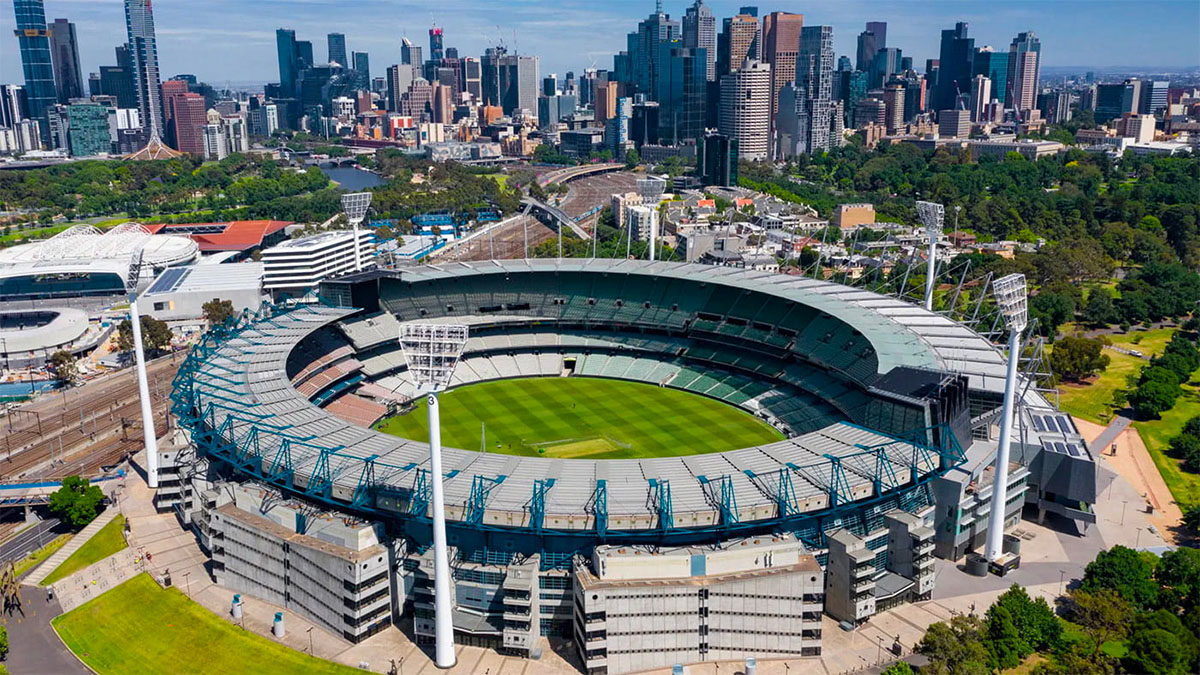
(224, 428)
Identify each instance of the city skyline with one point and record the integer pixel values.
(239, 44)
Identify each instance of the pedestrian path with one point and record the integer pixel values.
(77, 542)
(94, 580)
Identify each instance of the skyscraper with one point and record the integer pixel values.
(893, 103)
(34, 42)
(1024, 70)
(410, 54)
(68, 76)
(1154, 97)
(744, 114)
(981, 95)
(189, 118)
(954, 67)
(681, 85)
(139, 24)
(879, 29)
(437, 51)
(643, 49)
(285, 47)
(490, 74)
(739, 40)
(994, 66)
(337, 49)
(88, 131)
(362, 67)
(472, 78)
(399, 79)
(700, 32)
(518, 83)
(885, 64)
(781, 43)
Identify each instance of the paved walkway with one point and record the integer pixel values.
(34, 647)
(1105, 440)
(77, 542)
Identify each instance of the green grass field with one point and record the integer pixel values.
(585, 417)
(34, 559)
(138, 627)
(1157, 435)
(106, 542)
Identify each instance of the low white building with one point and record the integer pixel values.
(298, 265)
(642, 221)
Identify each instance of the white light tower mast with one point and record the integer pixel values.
(1011, 299)
(432, 352)
(932, 216)
(135, 322)
(355, 204)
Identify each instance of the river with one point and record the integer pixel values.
(352, 178)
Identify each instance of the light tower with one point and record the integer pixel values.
(355, 204)
(135, 322)
(932, 216)
(432, 351)
(1012, 301)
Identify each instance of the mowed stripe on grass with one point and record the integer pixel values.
(524, 416)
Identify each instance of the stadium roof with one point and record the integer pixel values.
(207, 278)
(84, 244)
(65, 326)
(238, 235)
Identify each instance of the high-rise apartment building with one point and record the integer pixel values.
(605, 98)
(1024, 70)
(189, 117)
(981, 95)
(781, 44)
(139, 25)
(33, 39)
(171, 90)
(739, 41)
(745, 114)
(337, 49)
(700, 32)
(893, 101)
(806, 109)
(68, 76)
(954, 67)
(88, 131)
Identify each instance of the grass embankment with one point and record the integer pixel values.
(34, 559)
(138, 628)
(585, 417)
(106, 542)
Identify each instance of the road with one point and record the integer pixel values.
(31, 539)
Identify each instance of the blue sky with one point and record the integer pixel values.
(233, 40)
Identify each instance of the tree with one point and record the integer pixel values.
(3, 643)
(1152, 399)
(1191, 518)
(1103, 614)
(217, 311)
(956, 648)
(1003, 641)
(1154, 652)
(1100, 310)
(62, 362)
(1178, 574)
(899, 668)
(1169, 621)
(632, 158)
(1039, 629)
(1124, 571)
(156, 335)
(1075, 358)
(75, 503)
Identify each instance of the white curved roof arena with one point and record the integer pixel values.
(84, 243)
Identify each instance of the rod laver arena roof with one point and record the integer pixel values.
(877, 365)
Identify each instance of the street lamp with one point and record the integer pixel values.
(355, 204)
(135, 322)
(932, 216)
(432, 352)
(1012, 301)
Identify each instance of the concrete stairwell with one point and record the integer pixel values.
(52, 563)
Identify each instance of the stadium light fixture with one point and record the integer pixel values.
(1012, 300)
(932, 216)
(432, 351)
(135, 322)
(355, 205)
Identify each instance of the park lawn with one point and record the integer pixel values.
(582, 417)
(1094, 401)
(1149, 342)
(1157, 435)
(34, 559)
(106, 542)
(501, 178)
(138, 627)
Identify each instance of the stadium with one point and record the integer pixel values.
(788, 445)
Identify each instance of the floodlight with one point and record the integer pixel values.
(432, 351)
(932, 215)
(1011, 298)
(355, 204)
(135, 323)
